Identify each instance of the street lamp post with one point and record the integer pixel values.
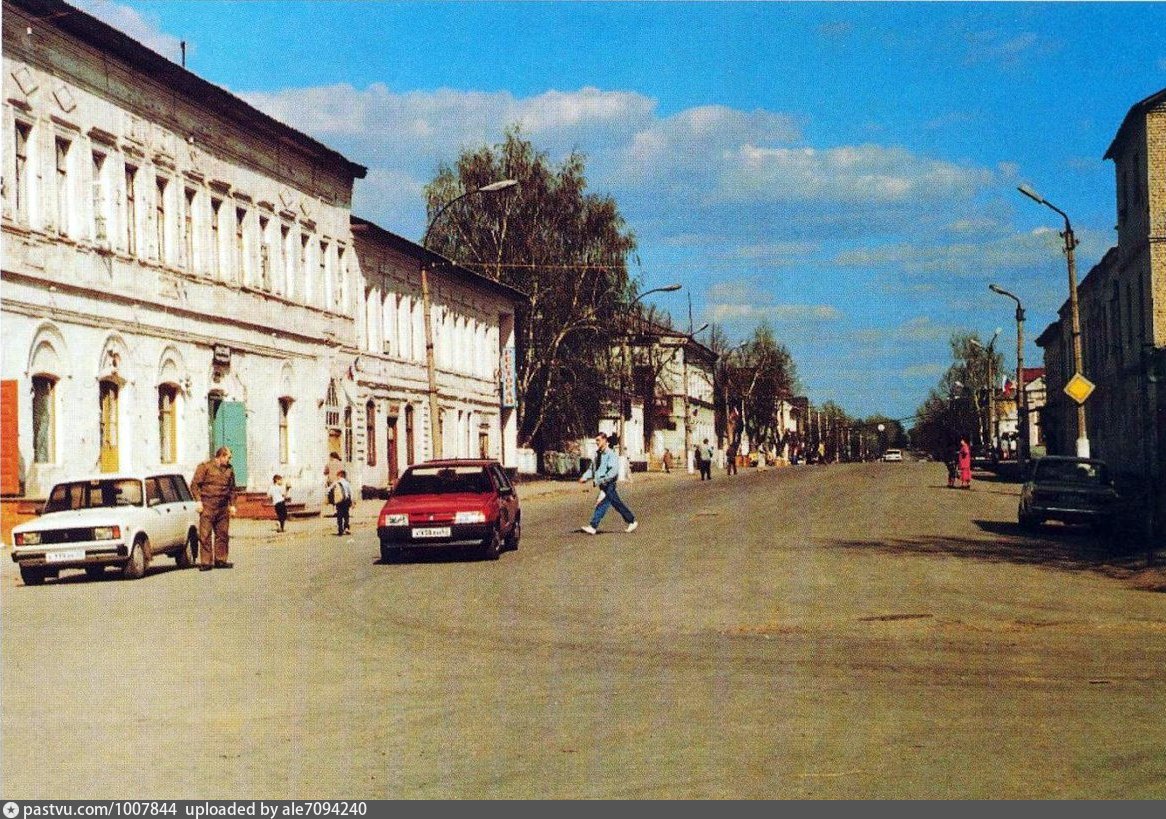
(430, 359)
(1022, 451)
(1074, 311)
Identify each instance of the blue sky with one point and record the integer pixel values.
(846, 171)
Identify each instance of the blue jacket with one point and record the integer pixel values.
(605, 470)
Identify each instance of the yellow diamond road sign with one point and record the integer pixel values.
(1079, 388)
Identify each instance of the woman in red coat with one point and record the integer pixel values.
(965, 464)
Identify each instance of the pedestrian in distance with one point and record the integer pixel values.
(731, 459)
(706, 461)
(279, 492)
(965, 463)
(604, 473)
(667, 460)
(340, 493)
(331, 473)
(213, 487)
(952, 463)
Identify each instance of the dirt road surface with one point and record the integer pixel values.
(851, 631)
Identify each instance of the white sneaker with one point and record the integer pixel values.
(632, 526)
(588, 529)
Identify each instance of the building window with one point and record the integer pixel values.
(305, 271)
(264, 255)
(409, 447)
(62, 176)
(44, 419)
(23, 134)
(188, 229)
(323, 278)
(242, 273)
(131, 235)
(332, 419)
(100, 205)
(216, 236)
(161, 189)
(286, 264)
(348, 433)
(284, 430)
(370, 431)
(168, 424)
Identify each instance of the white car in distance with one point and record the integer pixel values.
(119, 520)
(893, 455)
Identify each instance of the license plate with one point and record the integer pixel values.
(431, 531)
(67, 555)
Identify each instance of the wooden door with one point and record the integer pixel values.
(109, 426)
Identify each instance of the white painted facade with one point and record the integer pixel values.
(172, 254)
(473, 328)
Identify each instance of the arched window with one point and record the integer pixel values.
(370, 431)
(332, 420)
(108, 395)
(44, 419)
(168, 423)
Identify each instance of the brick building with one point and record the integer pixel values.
(1122, 306)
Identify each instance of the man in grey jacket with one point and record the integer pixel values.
(604, 474)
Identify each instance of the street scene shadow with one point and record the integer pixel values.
(71, 577)
(1063, 547)
(436, 554)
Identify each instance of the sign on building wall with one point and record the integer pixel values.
(508, 379)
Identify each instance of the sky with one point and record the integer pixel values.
(846, 172)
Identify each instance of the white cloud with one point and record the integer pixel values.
(923, 371)
(146, 30)
(773, 312)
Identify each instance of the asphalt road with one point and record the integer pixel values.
(851, 631)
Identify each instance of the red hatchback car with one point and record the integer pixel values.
(451, 503)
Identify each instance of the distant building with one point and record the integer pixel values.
(473, 331)
(1122, 306)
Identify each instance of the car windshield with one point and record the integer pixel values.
(95, 494)
(1072, 472)
(443, 480)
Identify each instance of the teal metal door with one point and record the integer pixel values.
(229, 429)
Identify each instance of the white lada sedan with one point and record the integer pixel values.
(116, 520)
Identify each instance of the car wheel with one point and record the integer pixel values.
(1028, 521)
(492, 545)
(94, 572)
(32, 577)
(184, 557)
(135, 567)
(514, 536)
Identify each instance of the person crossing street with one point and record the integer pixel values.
(213, 487)
(604, 474)
(341, 494)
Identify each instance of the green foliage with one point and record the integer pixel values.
(957, 406)
(567, 249)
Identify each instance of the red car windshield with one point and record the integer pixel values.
(444, 480)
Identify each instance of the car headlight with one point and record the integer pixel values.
(28, 538)
(396, 520)
(470, 517)
(107, 533)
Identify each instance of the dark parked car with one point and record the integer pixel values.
(1072, 490)
(451, 503)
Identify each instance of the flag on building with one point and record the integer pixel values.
(1006, 387)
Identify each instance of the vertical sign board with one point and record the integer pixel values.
(508, 379)
(230, 430)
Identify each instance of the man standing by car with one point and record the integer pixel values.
(213, 486)
(604, 474)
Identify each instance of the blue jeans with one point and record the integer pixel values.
(611, 498)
